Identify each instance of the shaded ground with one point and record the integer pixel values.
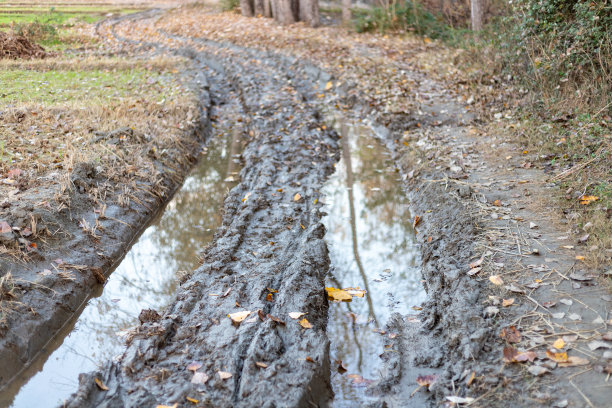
(493, 262)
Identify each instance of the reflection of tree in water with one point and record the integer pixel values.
(146, 277)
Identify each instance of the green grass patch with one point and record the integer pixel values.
(87, 87)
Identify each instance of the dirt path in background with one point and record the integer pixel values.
(269, 256)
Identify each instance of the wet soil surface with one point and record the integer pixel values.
(147, 278)
(270, 258)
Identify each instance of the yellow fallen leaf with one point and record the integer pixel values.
(224, 375)
(297, 197)
(559, 343)
(246, 197)
(305, 324)
(167, 406)
(507, 302)
(296, 315)
(192, 400)
(587, 199)
(338, 294)
(579, 258)
(558, 357)
(100, 384)
(416, 221)
(496, 280)
(239, 316)
(328, 85)
(261, 365)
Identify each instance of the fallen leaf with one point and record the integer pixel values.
(579, 258)
(328, 85)
(100, 384)
(4, 227)
(511, 334)
(359, 381)
(512, 355)
(416, 221)
(338, 294)
(246, 197)
(355, 292)
(496, 280)
(573, 361)
(559, 357)
(559, 344)
(477, 263)
(460, 400)
(194, 366)
(470, 379)
(261, 365)
(270, 297)
(507, 302)
(199, 378)
(239, 316)
(167, 406)
(192, 400)
(275, 319)
(297, 197)
(224, 375)
(426, 380)
(497, 203)
(309, 359)
(587, 199)
(296, 315)
(474, 271)
(305, 324)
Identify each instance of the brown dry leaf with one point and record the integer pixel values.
(239, 316)
(309, 359)
(100, 384)
(477, 263)
(270, 297)
(192, 400)
(305, 324)
(338, 294)
(199, 378)
(557, 357)
(296, 315)
(507, 302)
(224, 375)
(416, 221)
(470, 379)
(496, 280)
(297, 197)
(511, 334)
(587, 199)
(359, 381)
(573, 361)
(261, 365)
(340, 367)
(275, 319)
(497, 203)
(512, 355)
(167, 406)
(559, 343)
(194, 366)
(474, 271)
(328, 85)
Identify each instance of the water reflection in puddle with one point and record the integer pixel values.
(146, 278)
(371, 242)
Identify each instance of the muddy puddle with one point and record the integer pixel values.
(371, 242)
(146, 278)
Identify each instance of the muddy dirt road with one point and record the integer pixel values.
(251, 326)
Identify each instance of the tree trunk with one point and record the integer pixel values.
(284, 12)
(246, 7)
(259, 7)
(346, 11)
(309, 12)
(267, 8)
(476, 11)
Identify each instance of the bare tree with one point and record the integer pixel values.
(346, 11)
(246, 7)
(476, 11)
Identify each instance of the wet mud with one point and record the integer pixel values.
(268, 257)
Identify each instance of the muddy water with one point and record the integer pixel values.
(371, 243)
(146, 278)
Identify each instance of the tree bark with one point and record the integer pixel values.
(309, 12)
(246, 7)
(284, 12)
(259, 7)
(476, 11)
(346, 11)
(267, 8)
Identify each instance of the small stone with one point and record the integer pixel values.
(533, 225)
(537, 370)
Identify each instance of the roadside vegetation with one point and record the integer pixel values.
(544, 70)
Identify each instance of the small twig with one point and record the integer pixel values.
(588, 401)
